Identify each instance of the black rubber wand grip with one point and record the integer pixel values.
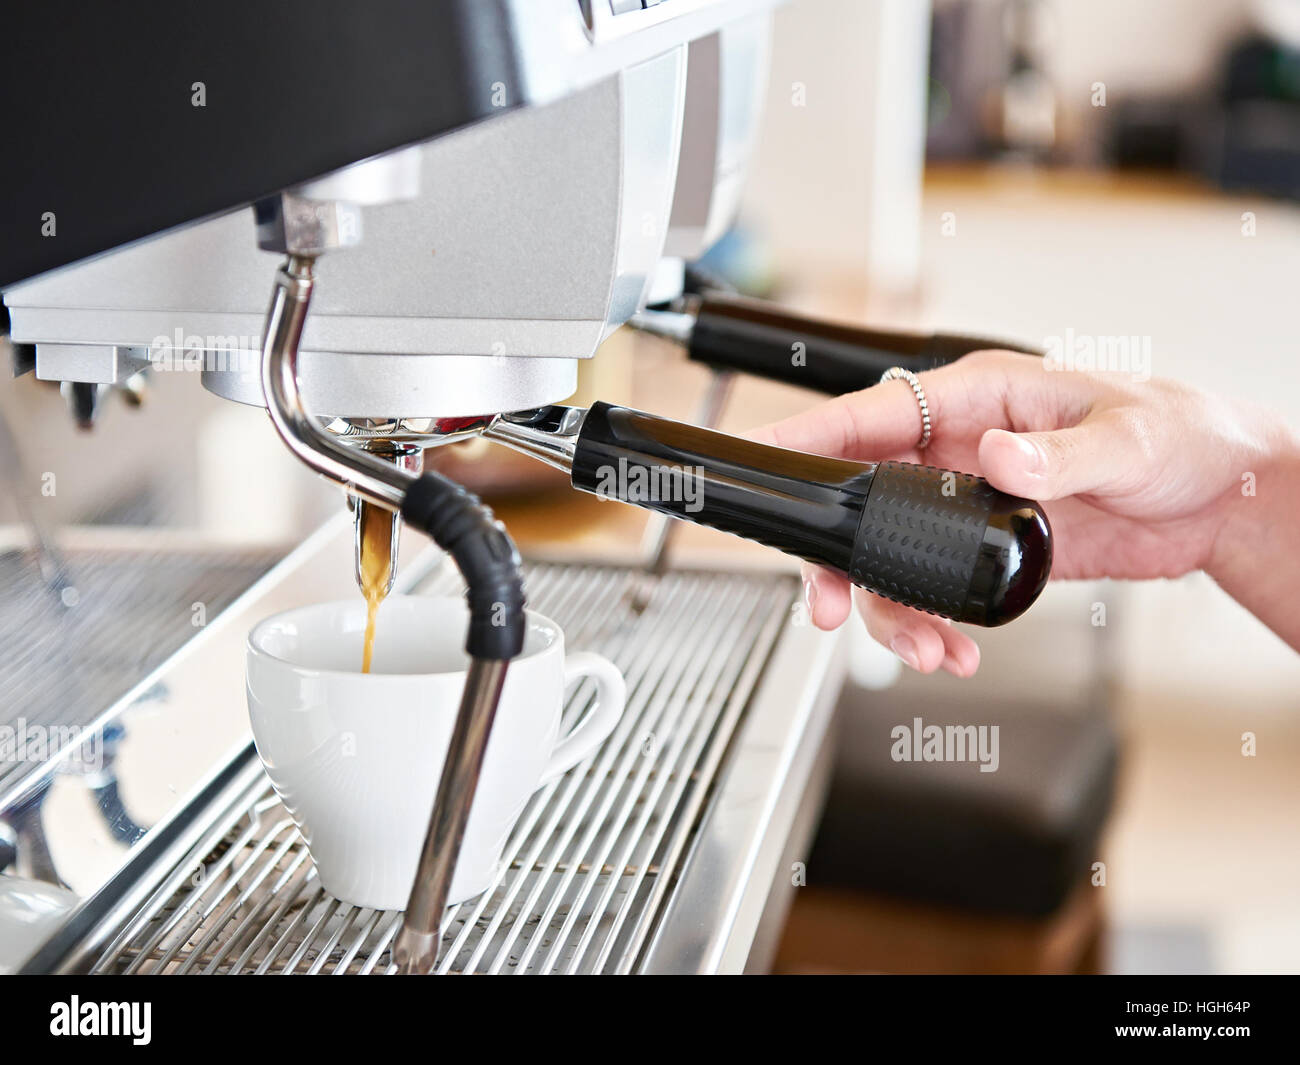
(944, 542)
(487, 558)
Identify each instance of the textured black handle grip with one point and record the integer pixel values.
(762, 339)
(943, 542)
(950, 544)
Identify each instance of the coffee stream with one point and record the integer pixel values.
(376, 568)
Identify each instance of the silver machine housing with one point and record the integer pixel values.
(487, 262)
(467, 276)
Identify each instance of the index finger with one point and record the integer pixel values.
(881, 420)
(965, 397)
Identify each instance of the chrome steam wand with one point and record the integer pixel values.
(487, 559)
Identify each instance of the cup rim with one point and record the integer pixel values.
(253, 650)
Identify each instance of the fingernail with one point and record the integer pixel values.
(810, 595)
(905, 647)
(1031, 454)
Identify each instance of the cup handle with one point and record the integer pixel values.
(599, 721)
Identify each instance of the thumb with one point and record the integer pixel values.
(1083, 459)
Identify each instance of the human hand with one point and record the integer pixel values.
(1137, 477)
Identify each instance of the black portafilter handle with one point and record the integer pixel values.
(943, 542)
(760, 338)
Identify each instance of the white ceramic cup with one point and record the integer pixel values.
(356, 757)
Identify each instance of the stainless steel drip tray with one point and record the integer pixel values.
(658, 853)
(72, 653)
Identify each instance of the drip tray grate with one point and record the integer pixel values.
(592, 858)
(63, 666)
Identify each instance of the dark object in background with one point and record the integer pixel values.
(1260, 69)
(969, 56)
(1246, 136)
(1018, 840)
(1260, 147)
(990, 90)
(1163, 133)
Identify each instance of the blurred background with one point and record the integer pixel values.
(1023, 168)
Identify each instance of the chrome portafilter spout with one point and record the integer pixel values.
(366, 515)
(479, 546)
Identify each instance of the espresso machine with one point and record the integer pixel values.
(449, 206)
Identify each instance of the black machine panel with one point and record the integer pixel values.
(102, 130)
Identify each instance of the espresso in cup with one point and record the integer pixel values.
(356, 757)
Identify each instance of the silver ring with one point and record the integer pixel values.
(895, 373)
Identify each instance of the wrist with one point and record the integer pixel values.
(1251, 557)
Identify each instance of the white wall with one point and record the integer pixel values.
(836, 175)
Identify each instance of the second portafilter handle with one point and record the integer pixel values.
(764, 339)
